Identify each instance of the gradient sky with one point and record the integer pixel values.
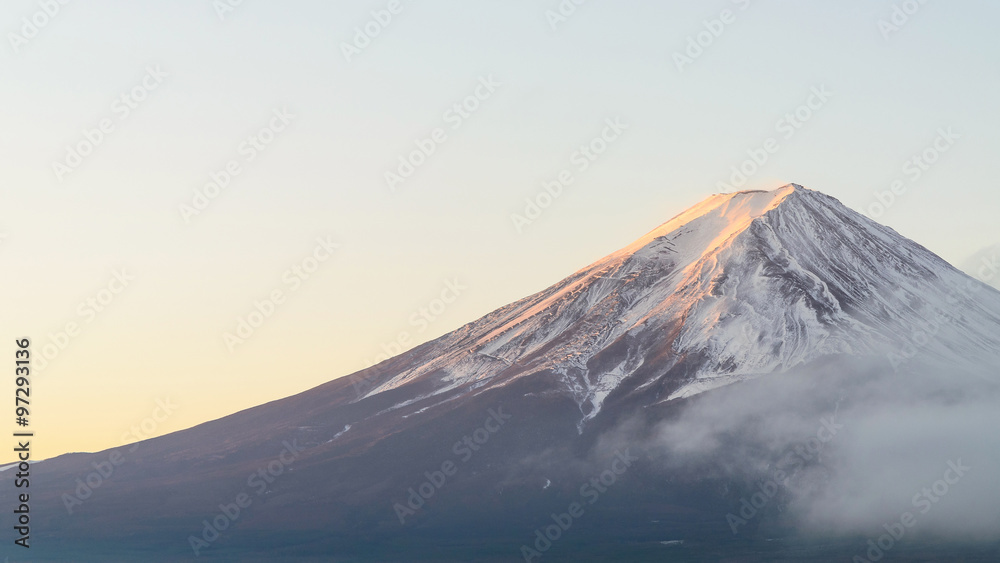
(323, 175)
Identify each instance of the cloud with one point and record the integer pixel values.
(859, 444)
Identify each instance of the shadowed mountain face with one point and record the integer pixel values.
(462, 448)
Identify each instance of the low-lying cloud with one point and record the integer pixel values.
(852, 447)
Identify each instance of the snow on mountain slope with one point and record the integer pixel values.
(739, 285)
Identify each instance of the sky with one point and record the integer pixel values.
(208, 205)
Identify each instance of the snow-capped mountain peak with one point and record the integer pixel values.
(739, 285)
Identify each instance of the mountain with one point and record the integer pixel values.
(506, 416)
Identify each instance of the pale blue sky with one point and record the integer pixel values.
(324, 173)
